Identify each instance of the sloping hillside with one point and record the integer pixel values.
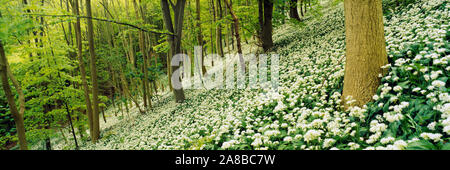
(410, 111)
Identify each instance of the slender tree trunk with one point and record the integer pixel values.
(219, 45)
(199, 33)
(236, 34)
(62, 134)
(144, 56)
(103, 114)
(80, 128)
(82, 67)
(17, 116)
(169, 71)
(301, 8)
(366, 50)
(147, 61)
(305, 6)
(95, 113)
(71, 125)
(113, 91)
(212, 12)
(126, 91)
(231, 27)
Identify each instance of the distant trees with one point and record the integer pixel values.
(366, 49)
(143, 48)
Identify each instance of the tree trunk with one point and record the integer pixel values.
(219, 45)
(212, 12)
(103, 114)
(127, 93)
(293, 12)
(95, 113)
(265, 22)
(236, 34)
(82, 67)
(71, 125)
(301, 8)
(366, 50)
(144, 57)
(18, 118)
(199, 33)
(174, 39)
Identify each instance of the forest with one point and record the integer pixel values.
(224, 75)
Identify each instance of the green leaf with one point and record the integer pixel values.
(446, 146)
(420, 145)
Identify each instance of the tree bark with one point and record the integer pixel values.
(95, 113)
(175, 39)
(236, 33)
(199, 33)
(219, 45)
(301, 8)
(82, 67)
(366, 50)
(293, 12)
(17, 116)
(265, 22)
(144, 57)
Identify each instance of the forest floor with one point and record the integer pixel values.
(305, 112)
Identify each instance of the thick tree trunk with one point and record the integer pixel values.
(260, 19)
(265, 21)
(366, 50)
(174, 39)
(95, 113)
